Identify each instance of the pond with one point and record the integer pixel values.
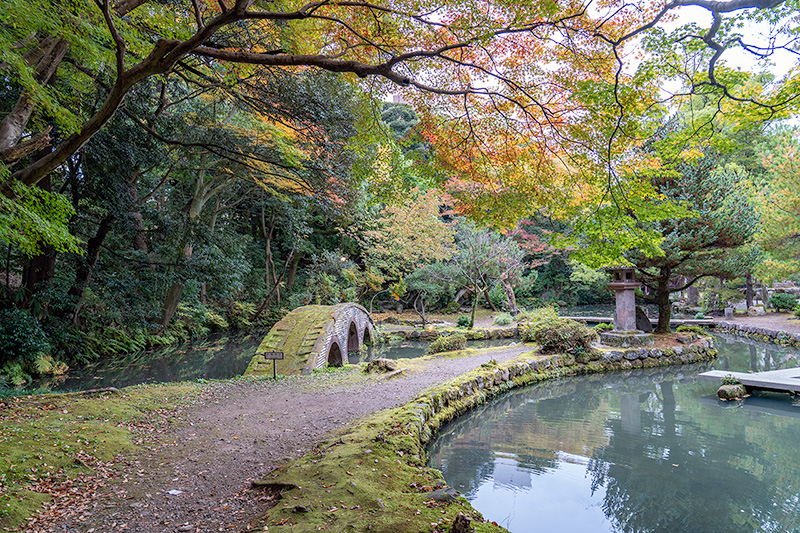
(644, 451)
(216, 357)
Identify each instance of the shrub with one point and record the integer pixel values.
(699, 316)
(452, 308)
(694, 329)
(463, 321)
(560, 335)
(238, 315)
(22, 339)
(717, 299)
(797, 311)
(448, 343)
(783, 302)
(730, 380)
(503, 319)
(214, 321)
(604, 326)
(497, 295)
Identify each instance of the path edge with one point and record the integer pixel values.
(398, 437)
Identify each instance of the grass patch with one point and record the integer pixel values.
(50, 442)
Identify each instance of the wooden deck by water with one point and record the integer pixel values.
(787, 380)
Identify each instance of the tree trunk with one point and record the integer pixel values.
(45, 58)
(292, 272)
(420, 311)
(38, 272)
(14, 123)
(749, 293)
(174, 294)
(83, 272)
(270, 273)
(489, 300)
(460, 294)
(511, 298)
(474, 306)
(664, 306)
(171, 303)
(274, 288)
(40, 268)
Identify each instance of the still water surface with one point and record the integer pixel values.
(216, 357)
(646, 451)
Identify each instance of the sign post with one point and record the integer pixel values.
(274, 356)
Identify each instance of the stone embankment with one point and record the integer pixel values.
(784, 338)
(465, 393)
(374, 475)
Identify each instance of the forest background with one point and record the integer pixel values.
(172, 169)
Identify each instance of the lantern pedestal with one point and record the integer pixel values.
(625, 334)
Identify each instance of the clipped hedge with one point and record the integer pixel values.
(783, 302)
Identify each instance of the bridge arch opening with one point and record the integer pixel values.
(367, 337)
(353, 343)
(335, 355)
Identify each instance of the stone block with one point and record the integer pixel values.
(626, 339)
(613, 356)
(731, 392)
(756, 310)
(642, 321)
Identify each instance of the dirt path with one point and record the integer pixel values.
(237, 432)
(777, 321)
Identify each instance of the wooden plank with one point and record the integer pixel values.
(787, 380)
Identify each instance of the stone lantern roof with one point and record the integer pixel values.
(622, 277)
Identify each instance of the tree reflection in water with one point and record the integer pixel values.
(657, 454)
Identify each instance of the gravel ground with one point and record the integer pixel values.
(235, 433)
(777, 321)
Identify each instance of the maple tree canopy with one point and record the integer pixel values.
(530, 102)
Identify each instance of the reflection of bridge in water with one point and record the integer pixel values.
(312, 336)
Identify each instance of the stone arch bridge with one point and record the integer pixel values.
(312, 336)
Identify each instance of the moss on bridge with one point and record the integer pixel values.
(295, 335)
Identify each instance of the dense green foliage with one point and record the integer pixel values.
(559, 335)
(783, 302)
(448, 343)
(503, 319)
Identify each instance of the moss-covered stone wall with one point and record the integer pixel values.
(373, 476)
(760, 334)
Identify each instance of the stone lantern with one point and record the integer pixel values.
(623, 283)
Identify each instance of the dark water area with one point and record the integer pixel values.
(215, 357)
(410, 349)
(645, 451)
